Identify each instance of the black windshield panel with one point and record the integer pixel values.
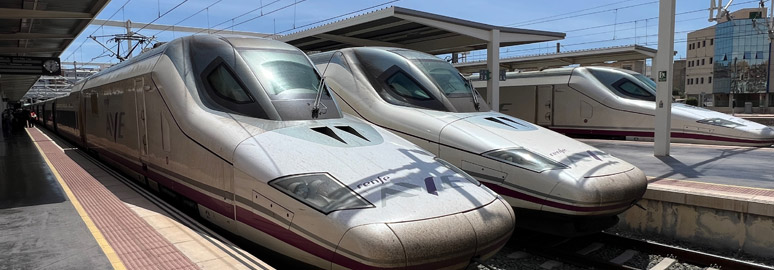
(391, 76)
(624, 85)
(226, 86)
(632, 90)
(447, 79)
(402, 85)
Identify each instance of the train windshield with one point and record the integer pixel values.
(625, 85)
(414, 79)
(283, 74)
(457, 89)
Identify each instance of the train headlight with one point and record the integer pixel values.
(526, 159)
(459, 171)
(720, 122)
(320, 191)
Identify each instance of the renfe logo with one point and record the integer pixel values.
(114, 125)
(389, 188)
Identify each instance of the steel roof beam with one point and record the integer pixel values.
(13, 13)
(29, 50)
(17, 36)
(358, 41)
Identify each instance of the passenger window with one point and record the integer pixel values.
(403, 85)
(225, 85)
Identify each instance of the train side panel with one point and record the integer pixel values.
(67, 116)
(180, 164)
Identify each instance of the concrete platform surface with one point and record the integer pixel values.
(727, 165)
(40, 228)
(76, 213)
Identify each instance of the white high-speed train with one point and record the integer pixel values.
(556, 184)
(610, 102)
(245, 130)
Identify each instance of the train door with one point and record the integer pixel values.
(544, 107)
(142, 133)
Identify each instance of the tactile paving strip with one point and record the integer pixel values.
(137, 244)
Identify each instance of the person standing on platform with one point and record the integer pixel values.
(31, 120)
(6, 123)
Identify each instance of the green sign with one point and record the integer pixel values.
(662, 76)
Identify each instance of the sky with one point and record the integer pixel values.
(588, 23)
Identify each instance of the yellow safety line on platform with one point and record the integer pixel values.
(103, 244)
(699, 182)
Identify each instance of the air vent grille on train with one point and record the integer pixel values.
(511, 120)
(328, 132)
(352, 131)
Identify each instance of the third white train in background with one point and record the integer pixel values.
(610, 102)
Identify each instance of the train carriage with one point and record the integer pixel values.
(615, 103)
(245, 130)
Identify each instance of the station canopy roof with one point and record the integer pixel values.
(40, 28)
(411, 29)
(582, 57)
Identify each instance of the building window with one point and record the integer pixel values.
(702, 80)
(704, 43)
(712, 41)
(709, 79)
(747, 55)
(759, 55)
(710, 60)
(690, 81)
(702, 61)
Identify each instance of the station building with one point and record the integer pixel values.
(728, 64)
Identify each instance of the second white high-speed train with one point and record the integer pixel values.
(610, 102)
(245, 130)
(556, 184)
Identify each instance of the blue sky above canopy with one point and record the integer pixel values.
(606, 22)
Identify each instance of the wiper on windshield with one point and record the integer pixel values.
(320, 88)
(473, 92)
(316, 105)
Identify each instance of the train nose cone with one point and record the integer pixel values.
(446, 242)
(602, 194)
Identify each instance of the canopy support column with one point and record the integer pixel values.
(493, 65)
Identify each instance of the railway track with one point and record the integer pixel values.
(609, 251)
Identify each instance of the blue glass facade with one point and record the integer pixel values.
(741, 56)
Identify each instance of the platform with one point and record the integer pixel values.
(61, 210)
(721, 197)
(725, 165)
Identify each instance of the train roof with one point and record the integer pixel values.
(558, 71)
(236, 41)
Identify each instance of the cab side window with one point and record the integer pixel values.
(225, 85)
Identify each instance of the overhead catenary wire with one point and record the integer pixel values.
(162, 15)
(540, 45)
(256, 17)
(95, 31)
(589, 13)
(626, 38)
(260, 7)
(568, 13)
(186, 18)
